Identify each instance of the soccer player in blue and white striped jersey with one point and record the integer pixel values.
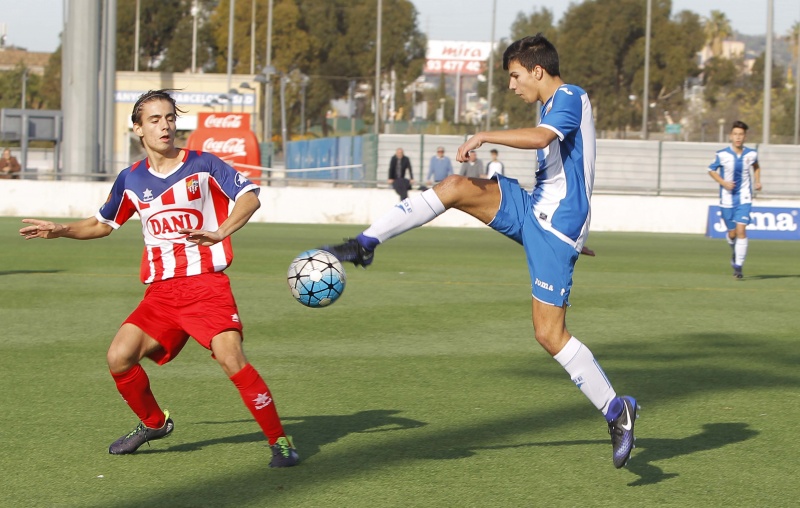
(734, 169)
(551, 222)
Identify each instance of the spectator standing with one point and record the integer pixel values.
(397, 174)
(494, 166)
(472, 167)
(440, 167)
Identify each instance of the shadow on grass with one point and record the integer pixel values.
(658, 371)
(314, 431)
(767, 277)
(23, 272)
(714, 435)
(649, 450)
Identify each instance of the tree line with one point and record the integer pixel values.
(601, 45)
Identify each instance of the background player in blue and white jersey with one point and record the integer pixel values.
(735, 168)
(182, 200)
(551, 222)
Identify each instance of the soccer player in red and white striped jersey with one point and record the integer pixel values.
(182, 199)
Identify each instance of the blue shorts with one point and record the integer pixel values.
(551, 261)
(739, 214)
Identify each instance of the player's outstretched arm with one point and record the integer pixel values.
(528, 138)
(243, 209)
(86, 229)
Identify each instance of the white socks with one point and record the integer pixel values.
(586, 373)
(408, 214)
(740, 251)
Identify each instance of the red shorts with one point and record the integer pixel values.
(172, 310)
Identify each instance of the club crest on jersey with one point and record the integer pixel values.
(147, 195)
(193, 188)
(165, 225)
(240, 179)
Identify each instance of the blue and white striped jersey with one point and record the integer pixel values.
(737, 169)
(564, 180)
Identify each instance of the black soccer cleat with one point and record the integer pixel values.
(351, 251)
(284, 453)
(129, 443)
(737, 271)
(621, 430)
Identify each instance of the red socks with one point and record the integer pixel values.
(134, 386)
(258, 399)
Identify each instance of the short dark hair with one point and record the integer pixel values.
(532, 51)
(152, 95)
(493, 151)
(738, 124)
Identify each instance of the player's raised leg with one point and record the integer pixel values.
(255, 393)
(475, 196)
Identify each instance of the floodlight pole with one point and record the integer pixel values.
(645, 94)
(230, 43)
(768, 72)
(378, 71)
(268, 85)
(489, 84)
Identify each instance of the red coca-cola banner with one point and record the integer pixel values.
(228, 136)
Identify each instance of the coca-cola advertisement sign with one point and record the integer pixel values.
(225, 146)
(228, 136)
(225, 121)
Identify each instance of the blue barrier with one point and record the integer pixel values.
(766, 223)
(326, 153)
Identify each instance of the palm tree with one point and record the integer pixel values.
(717, 28)
(793, 36)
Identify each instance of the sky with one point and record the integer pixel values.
(36, 24)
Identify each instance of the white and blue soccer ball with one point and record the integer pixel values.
(316, 278)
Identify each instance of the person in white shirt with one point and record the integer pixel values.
(494, 166)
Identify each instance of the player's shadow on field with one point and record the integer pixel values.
(315, 431)
(649, 450)
(714, 435)
(24, 272)
(767, 277)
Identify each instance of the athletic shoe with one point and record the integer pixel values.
(129, 443)
(351, 251)
(737, 271)
(283, 453)
(621, 430)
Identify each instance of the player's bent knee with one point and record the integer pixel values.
(120, 359)
(231, 363)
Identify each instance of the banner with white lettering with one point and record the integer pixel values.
(228, 136)
(766, 223)
(456, 57)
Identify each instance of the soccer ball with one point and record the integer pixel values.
(316, 278)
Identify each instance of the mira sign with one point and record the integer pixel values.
(765, 223)
(456, 57)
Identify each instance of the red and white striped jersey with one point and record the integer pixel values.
(196, 194)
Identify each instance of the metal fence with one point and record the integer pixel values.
(623, 166)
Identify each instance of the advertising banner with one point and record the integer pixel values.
(766, 223)
(456, 57)
(228, 136)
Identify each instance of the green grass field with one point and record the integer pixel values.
(422, 386)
